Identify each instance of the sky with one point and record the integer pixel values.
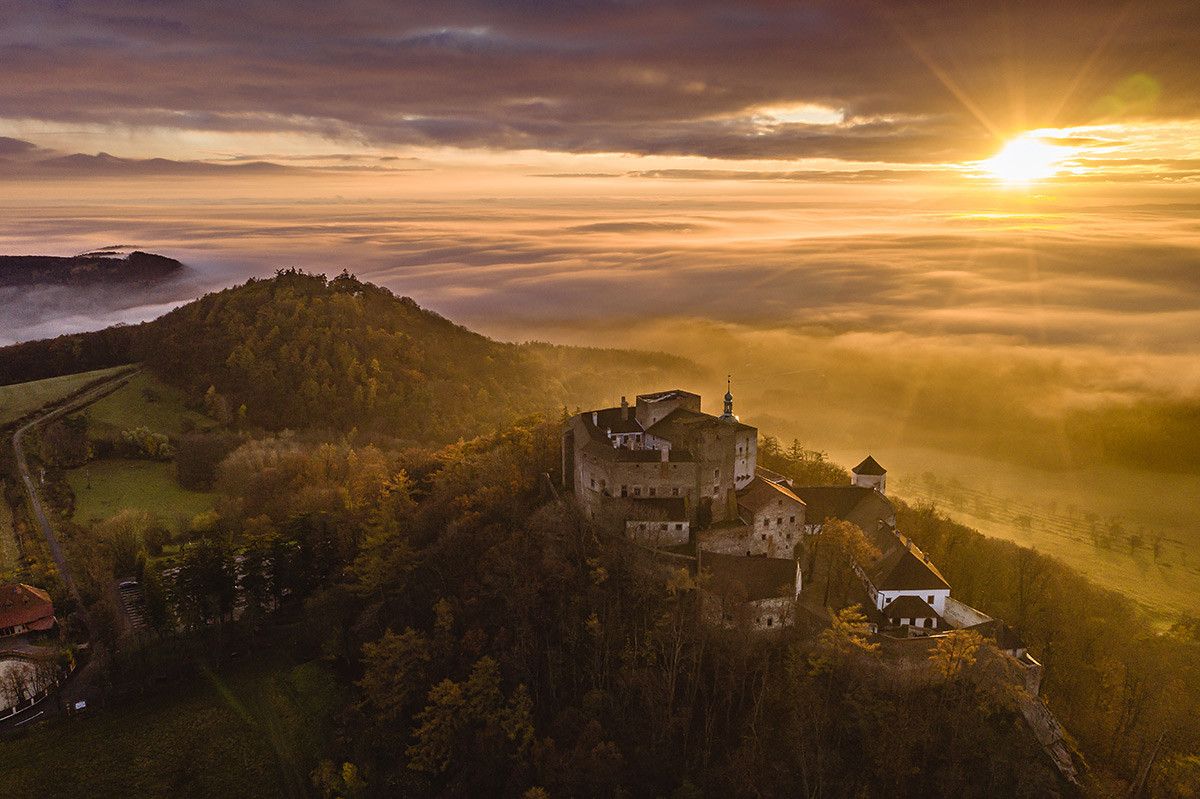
(963, 189)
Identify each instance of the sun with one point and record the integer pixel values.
(1025, 159)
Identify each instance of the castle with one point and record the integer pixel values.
(679, 480)
(687, 485)
(674, 477)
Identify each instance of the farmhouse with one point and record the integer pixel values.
(23, 609)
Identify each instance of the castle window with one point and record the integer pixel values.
(624, 491)
(679, 526)
(779, 521)
(651, 492)
(792, 520)
(716, 474)
(637, 491)
(764, 536)
(642, 526)
(770, 621)
(931, 599)
(675, 491)
(662, 526)
(789, 535)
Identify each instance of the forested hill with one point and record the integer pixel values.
(301, 350)
(104, 267)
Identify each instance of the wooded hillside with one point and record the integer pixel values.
(300, 350)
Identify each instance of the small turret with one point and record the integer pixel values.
(869, 474)
(728, 414)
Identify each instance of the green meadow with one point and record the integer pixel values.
(1129, 530)
(10, 552)
(145, 401)
(18, 399)
(105, 487)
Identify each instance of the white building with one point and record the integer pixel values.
(869, 474)
(906, 588)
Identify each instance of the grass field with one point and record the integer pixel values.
(105, 487)
(251, 734)
(145, 401)
(18, 399)
(1130, 531)
(10, 552)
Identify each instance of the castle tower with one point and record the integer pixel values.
(869, 474)
(728, 414)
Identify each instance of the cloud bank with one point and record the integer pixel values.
(909, 82)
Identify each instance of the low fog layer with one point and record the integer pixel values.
(970, 320)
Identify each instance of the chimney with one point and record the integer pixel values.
(624, 409)
(595, 417)
(665, 454)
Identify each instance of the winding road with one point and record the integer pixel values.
(82, 400)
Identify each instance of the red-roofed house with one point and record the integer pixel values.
(23, 609)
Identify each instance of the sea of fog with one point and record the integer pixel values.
(948, 332)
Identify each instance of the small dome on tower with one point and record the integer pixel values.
(728, 414)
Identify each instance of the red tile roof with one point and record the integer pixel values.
(24, 604)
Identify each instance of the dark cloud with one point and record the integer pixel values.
(632, 227)
(805, 175)
(916, 81)
(103, 164)
(11, 147)
(47, 164)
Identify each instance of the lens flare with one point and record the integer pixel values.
(1025, 159)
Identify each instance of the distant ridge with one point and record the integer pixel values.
(107, 266)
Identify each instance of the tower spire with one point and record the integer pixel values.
(728, 398)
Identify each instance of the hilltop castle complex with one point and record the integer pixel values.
(676, 479)
(687, 486)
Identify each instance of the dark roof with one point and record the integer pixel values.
(1006, 637)
(753, 577)
(682, 425)
(869, 467)
(657, 508)
(761, 493)
(772, 476)
(672, 393)
(909, 607)
(831, 502)
(906, 568)
(612, 419)
(24, 604)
